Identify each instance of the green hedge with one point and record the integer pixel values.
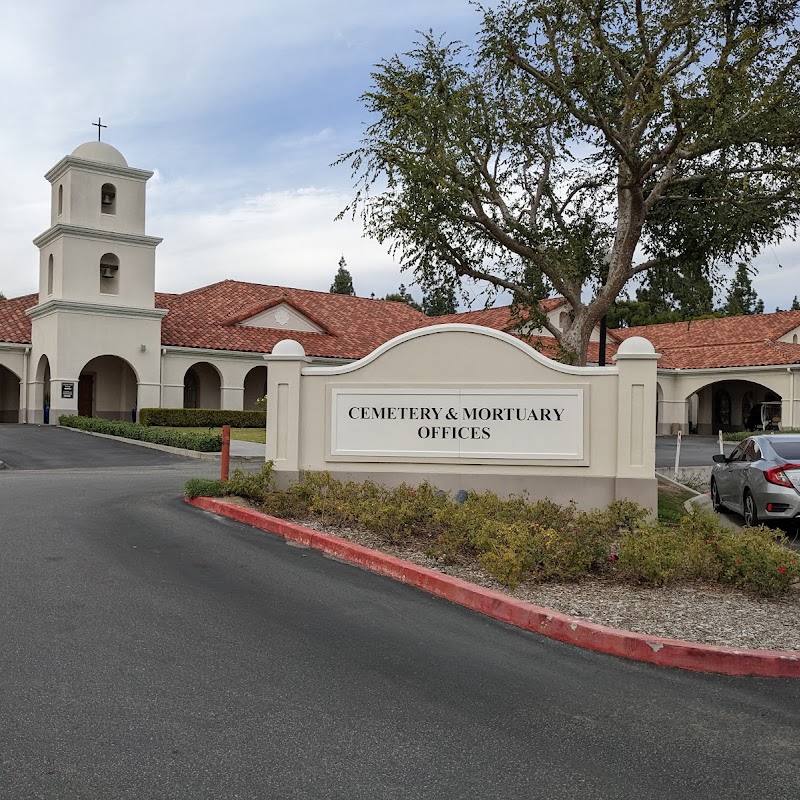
(740, 436)
(202, 418)
(188, 440)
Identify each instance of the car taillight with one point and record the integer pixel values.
(778, 476)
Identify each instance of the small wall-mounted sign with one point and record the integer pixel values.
(68, 390)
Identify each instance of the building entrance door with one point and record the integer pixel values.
(85, 393)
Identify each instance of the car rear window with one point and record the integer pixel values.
(788, 450)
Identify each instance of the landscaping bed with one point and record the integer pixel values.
(694, 580)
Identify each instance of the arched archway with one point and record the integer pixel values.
(255, 387)
(724, 405)
(39, 410)
(202, 386)
(659, 404)
(9, 395)
(108, 387)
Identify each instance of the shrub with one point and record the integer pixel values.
(740, 436)
(755, 559)
(251, 485)
(515, 540)
(188, 440)
(204, 487)
(201, 418)
(652, 553)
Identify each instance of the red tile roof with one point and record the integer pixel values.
(355, 326)
(498, 317)
(14, 325)
(209, 318)
(746, 341)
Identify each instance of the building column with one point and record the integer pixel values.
(283, 409)
(148, 395)
(63, 398)
(231, 397)
(636, 423)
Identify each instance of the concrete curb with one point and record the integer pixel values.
(572, 630)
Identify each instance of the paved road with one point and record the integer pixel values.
(49, 447)
(696, 451)
(149, 650)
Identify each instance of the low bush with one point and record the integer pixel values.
(188, 440)
(250, 485)
(201, 418)
(204, 487)
(515, 540)
(740, 436)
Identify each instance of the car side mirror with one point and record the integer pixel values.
(719, 458)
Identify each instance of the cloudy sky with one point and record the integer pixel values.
(239, 108)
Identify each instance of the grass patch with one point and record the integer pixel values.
(670, 503)
(258, 435)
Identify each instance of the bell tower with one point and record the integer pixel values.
(96, 284)
(95, 249)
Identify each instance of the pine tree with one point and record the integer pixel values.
(343, 282)
(795, 304)
(742, 298)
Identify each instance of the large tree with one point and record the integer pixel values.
(742, 298)
(582, 144)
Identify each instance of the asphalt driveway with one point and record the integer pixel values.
(151, 651)
(32, 447)
(696, 451)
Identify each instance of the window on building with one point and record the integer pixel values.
(109, 274)
(190, 384)
(50, 274)
(60, 199)
(108, 199)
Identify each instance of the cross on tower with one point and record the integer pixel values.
(99, 126)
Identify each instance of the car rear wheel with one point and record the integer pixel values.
(750, 511)
(715, 501)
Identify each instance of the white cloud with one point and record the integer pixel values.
(278, 237)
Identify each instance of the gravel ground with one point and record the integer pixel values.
(696, 613)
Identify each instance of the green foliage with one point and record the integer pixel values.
(742, 298)
(343, 281)
(201, 418)
(795, 304)
(754, 559)
(439, 300)
(515, 540)
(580, 146)
(203, 442)
(250, 485)
(204, 487)
(402, 296)
(740, 436)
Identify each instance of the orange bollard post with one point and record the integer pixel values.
(225, 461)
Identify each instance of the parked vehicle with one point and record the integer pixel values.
(760, 479)
(764, 417)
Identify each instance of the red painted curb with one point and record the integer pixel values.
(554, 624)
